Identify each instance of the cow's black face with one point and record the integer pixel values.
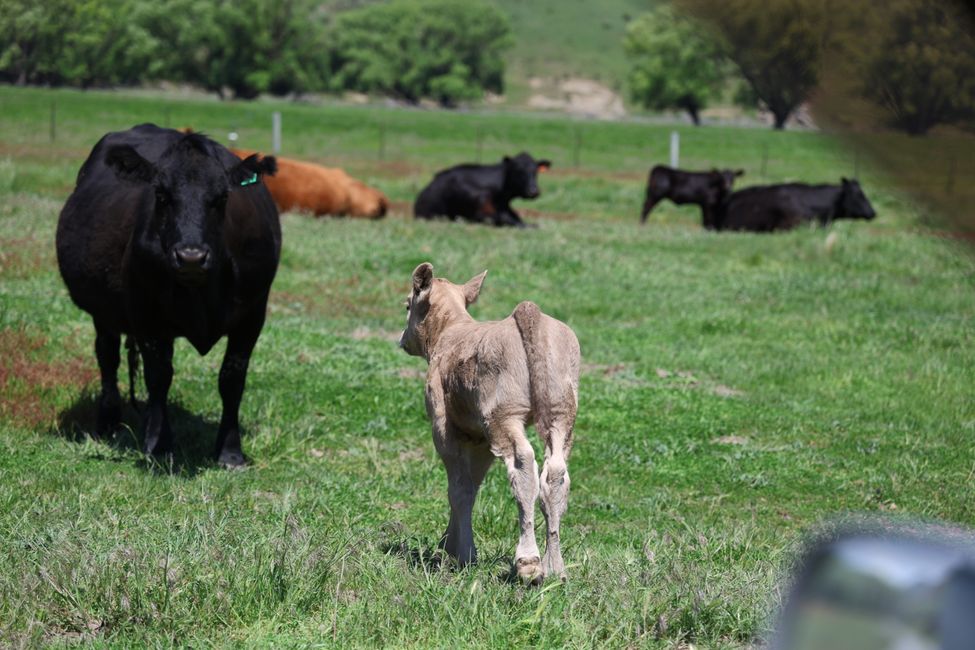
(187, 219)
(854, 203)
(183, 227)
(521, 175)
(721, 182)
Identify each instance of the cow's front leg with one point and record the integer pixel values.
(648, 205)
(508, 217)
(109, 401)
(157, 357)
(233, 376)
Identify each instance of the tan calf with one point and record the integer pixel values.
(485, 383)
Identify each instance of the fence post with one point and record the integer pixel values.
(674, 149)
(276, 132)
(54, 113)
(382, 140)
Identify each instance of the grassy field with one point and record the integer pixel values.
(737, 391)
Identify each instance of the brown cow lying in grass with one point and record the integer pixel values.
(485, 383)
(321, 190)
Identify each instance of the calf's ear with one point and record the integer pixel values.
(251, 168)
(422, 277)
(739, 172)
(127, 164)
(544, 165)
(473, 287)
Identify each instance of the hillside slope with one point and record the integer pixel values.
(558, 38)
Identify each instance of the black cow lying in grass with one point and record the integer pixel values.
(782, 207)
(706, 189)
(166, 235)
(482, 193)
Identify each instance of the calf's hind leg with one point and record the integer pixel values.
(555, 493)
(519, 457)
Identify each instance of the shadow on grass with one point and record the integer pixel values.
(419, 556)
(194, 436)
(433, 559)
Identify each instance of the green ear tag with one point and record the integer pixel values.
(250, 181)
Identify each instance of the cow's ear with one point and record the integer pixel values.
(127, 164)
(739, 172)
(422, 278)
(251, 168)
(544, 165)
(845, 180)
(506, 160)
(472, 288)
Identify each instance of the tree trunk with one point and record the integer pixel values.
(780, 118)
(690, 105)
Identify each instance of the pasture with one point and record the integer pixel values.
(737, 391)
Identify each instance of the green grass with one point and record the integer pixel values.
(738, 390)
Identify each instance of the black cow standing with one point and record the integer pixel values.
(482, 193)
(706, 189)
(782, 207)
(166, 235)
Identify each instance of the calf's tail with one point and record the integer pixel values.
(528, 317)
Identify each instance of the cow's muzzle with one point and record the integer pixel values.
(191, 262)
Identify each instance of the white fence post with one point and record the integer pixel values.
(674, 149)
(276, 132)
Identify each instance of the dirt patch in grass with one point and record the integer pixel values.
(26, 381)
(580, 172)
(404, 208)
(21, 257)
(555, 216)
(41, 151)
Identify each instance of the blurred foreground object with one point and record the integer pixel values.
(882, 592)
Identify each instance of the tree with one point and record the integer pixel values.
(776, 46)
(105, 47)
(246, 46)
(31, 40)
(922, 72)
(445, 50)
(674, 65)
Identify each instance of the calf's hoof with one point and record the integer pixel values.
(529, 570)
(554, 568)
